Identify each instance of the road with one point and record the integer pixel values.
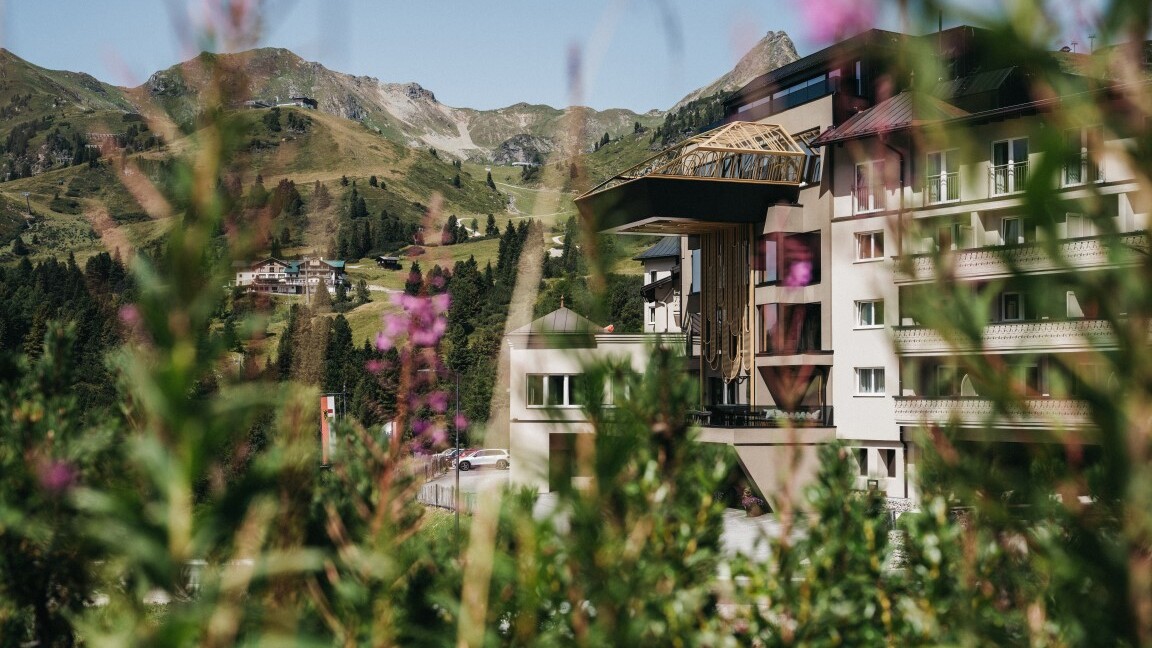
(475, 480)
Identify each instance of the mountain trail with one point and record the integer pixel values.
(112, 235)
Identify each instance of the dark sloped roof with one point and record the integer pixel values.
(669, 246)
(892, 114)
(561, 320)
(973, 84)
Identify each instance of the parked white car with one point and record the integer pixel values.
(486, 457)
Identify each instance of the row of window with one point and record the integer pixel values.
(567, 390)
(564, 390)
(1008, 170)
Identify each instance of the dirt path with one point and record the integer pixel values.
(112, 236)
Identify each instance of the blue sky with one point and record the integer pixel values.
(636, 54)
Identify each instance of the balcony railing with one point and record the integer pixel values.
(868, 198)
(745, 416)
(944, 187)
(1009, 178)
(1045, 335)
(994, 261)
(1035, 413)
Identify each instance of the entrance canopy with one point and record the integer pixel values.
(731, 174)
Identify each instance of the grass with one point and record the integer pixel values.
(542, 203)
(366, 319)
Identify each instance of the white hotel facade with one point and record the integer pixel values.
(811, 221)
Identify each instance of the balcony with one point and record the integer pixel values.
(943, 187)
(742, 425)
(729, 175)
(745, 416)
(1036, 413)
(1009, 178)
(1046, 335)
(1001, 261)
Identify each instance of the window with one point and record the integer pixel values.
(535, 393)
(652, 315)
(870, 381)
(1009, 166)
(1078, 226)
(948, 379)
(695, 286)
(812, 170)
(869, 245)
(869, 186)
(1011, 307)
(955, 236)
(791, 260)
(722, 393)
(1083, 148)
(554, 390)
(789, 328)
(767, 259)
(1027, 377)
(870, 314)
(887, 461)
(1011, 233)
(862, 461)
(943, 179)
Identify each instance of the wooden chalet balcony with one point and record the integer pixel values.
(1036, 413)
(726, 176)
(1044, 335)
(1000, 261)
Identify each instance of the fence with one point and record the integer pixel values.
(445, 497)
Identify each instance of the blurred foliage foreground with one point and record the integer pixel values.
(102, 506)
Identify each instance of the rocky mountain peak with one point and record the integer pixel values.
(770, 52)
(416, 92)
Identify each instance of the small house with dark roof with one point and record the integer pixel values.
(662, 286)
(548, 359)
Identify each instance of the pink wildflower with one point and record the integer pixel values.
(830, 20)
(55, 476)
(461, 422)
(438, 401)
(130, 315)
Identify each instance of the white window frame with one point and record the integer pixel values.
(871, 248)
(870, 178)
(867, 383)
(1004, 230)
(1090, 169)
(1010, 176)
(564, 401)
(870, 314)
(946, 181)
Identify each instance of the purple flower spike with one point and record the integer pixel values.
(56, 477)
(438, 401)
